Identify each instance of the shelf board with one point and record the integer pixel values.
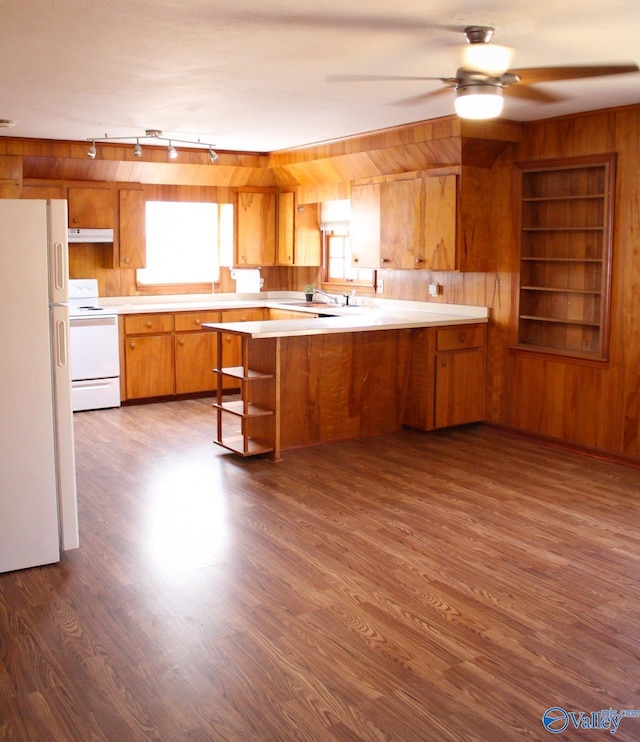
(535, 259)
(236, 407)
(586, 292)
(236, 444)
(560, 321)
(237, 372)
(563, 229)
(538, 199)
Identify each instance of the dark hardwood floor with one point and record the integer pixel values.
(445, 586)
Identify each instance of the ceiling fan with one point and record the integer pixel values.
(485, 77)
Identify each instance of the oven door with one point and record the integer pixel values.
(95, 361)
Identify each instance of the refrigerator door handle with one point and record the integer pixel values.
(62, 343)
(59, 265)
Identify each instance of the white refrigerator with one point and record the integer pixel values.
(38, 506)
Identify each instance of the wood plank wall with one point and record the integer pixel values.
(595, 407)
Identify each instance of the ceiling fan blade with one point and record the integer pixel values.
(379, 78)
(416, 100)
(531, 93)
(549, 74)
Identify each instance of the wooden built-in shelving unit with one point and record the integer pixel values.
(256, 409)
(565, 256)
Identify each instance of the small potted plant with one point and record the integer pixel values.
(308, 292)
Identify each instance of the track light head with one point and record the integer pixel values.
(137, 150)
(172, 152)
(213, 156)
(92, 151)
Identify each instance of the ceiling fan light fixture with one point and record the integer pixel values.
(479, 101)
(492, 59)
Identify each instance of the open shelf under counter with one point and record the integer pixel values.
(239, 408)
(238, 372)
(244, 446)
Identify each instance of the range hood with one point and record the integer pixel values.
(91, 235)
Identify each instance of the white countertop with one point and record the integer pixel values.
(354, 322)
(372, 313)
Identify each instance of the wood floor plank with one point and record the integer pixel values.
(414, 586)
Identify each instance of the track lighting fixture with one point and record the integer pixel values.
(156, 134)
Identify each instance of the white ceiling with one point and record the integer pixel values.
(251, 75)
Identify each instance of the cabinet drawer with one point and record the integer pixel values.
(141, 324)
(241, 315)
(460, 337)
(188, 321)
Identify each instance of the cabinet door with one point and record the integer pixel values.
(149, 366)
(460, 387)
(255, 229)
(439, 214)
(196, 357)
(401, 224)
(132, 213)
(91, 208)
(308, 242)
(286, 220)
(365, 226)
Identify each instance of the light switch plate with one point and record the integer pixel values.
(379, 286)
(434, 289)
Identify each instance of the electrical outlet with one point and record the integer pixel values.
(434, 289)
(379, 286)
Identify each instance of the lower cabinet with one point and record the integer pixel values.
(167, 354)
(446, 383)
(459, 375)
(148, 355)
(196, 354)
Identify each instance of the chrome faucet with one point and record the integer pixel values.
(334, 299)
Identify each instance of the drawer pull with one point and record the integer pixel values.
(198, 322)
(443, 362)
(132, 345)
(419, 260)
(181, 341)
(148, 323)
(386, 260)
(463, 337)
(126, 259)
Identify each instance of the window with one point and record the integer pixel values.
(338, 262)
(186, 243)
(335, 218)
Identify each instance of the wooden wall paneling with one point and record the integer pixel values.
(625, 315)
(10, 176)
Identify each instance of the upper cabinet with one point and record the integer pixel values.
(299, 237)
(405, 224)
(132, 232)
(365, 225)
(255, 231)
(91, 208)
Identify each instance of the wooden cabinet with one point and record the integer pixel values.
(446, 381)
(565, 256)
(10, 176)
(255, 234)
(247, 426)
(91, 208)
(459, 384)
(149, 356)
(132, 234)
(299, 236)
(418, 223)
(364, 230)
(195, 352)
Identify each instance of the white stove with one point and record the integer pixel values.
(94, 349)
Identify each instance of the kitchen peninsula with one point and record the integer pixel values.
(361, 373)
